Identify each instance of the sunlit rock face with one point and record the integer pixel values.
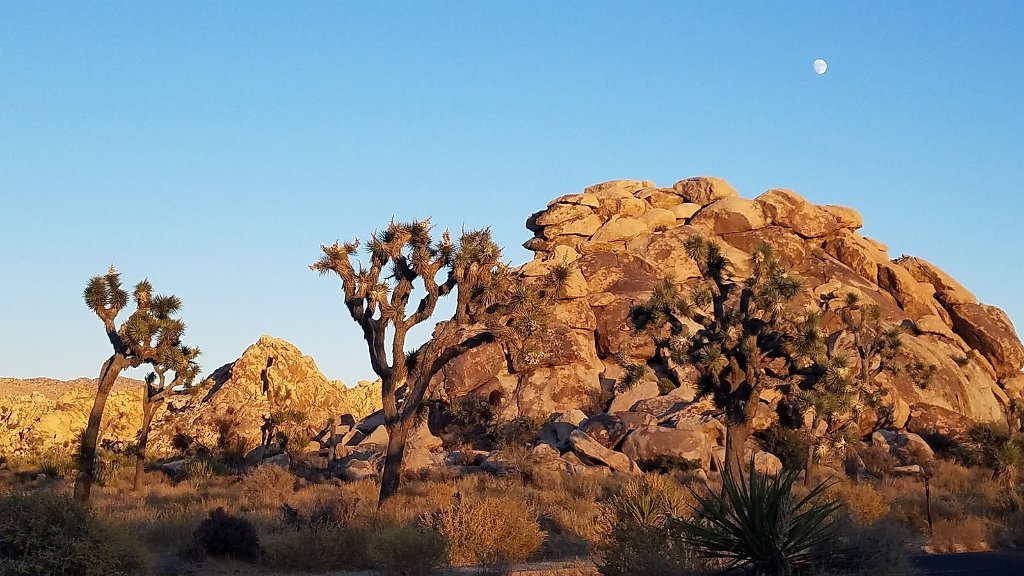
(228, 406)
(271, 377)
(623, 237)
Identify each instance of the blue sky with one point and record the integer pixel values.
(213, 146)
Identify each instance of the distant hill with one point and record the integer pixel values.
(53, 388)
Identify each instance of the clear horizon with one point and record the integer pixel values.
(212, 147)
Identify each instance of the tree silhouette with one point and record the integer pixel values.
(148, 336)
(402, 258)
(741, 327)
(181, 361)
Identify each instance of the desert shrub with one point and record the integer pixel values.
(666, 464)
(225, 535)
(648, 501)
(407, 550)
(862, 501)
(519, 431)
(787, 444)
(318, 546)
(633, 549)
(43, 533)
(496, 529)
(266, 487)
(756, 523)
(884, 547)
(879, 461)
(1012, 533)
(471, 410)
(198, 469)
(964, 535)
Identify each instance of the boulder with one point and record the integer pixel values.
(649, 442)
(704, 190)
(589, 450)
(607, 429)
(930, 420)
(767, 463)
(730, 215)
(847, 217)
(988, 330)
(620, 228)
(626, 399)
(560, 213)
(788, 209)
(585, 226)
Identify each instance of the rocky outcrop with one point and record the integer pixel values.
(271, 377)
(230, 405)
(621, 238)
(44, 415)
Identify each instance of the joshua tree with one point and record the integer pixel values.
(181, 361)
(742, 327)
(876, 346)
(378, 297)
(147, 336)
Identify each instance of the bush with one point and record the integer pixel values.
(789, 445)
(648, 501)
(633, 549)
(44, 533)
(757, 524)
(884, 547)
(225, 535)
(864, 504)
(267, 487)
(490, 531)
(407, 550)
(959, 535)
(317, 547)
(666, 464)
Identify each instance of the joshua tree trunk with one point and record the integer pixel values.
(736, 434)
(148, 410)
(90, 438)
(398, 433)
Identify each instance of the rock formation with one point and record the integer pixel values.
(621, 238)
(40, 414)
(45, 415)
(270, 377)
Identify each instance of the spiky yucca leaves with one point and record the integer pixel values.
(490, 305)
(742, 326)
(757, 524)
(150, 335)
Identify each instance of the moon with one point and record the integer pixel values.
(820, 66)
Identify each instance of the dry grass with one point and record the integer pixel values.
(862, 501)
(491, 530)
(965, 535)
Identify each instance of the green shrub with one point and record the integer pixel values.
(666, 464)
(756, 523)
(407, 550)
(225, 535)
(789, 445)
(43, 533)
(490, 531)
(647, 501)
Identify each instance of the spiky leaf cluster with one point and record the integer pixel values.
(151, 334)
(757, 524)
(740, 324)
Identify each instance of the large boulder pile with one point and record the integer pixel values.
(621, 238)
(270, 377)
(42, 415)
(229, 407)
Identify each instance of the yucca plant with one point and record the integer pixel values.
(757, 524)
